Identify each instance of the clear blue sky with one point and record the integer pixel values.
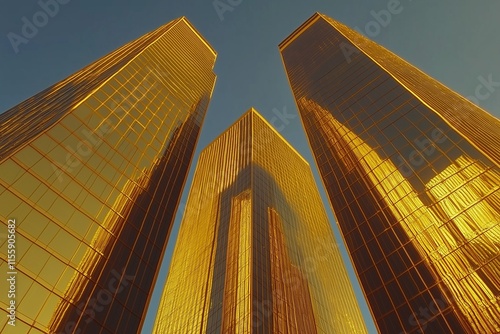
(455, 42)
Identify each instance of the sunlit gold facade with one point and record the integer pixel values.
(412, 172)
(255, 251)
(92, 170)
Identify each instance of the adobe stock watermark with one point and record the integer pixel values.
(484, 89)
(208, 194)
(103, 298)
(426, 147)
(222, 6)
(293, 280)
(11, 272)
(280, 120)
(425, 314)
(29, 28)
(120, 106)
(282, 117)
(381, 19)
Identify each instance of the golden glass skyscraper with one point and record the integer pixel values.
(412, 172)
(92, 171)
(255, 251)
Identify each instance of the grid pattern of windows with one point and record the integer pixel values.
(415, 186)
(92, 171)
(255, 251)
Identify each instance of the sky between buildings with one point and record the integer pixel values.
(455, 41)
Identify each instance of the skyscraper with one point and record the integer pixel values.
(412, 172)
(92, 171)
(255, 251)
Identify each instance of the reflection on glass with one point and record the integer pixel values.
(255, 251)
(414, 187)
(92, 169)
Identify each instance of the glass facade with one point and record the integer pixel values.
(92, 171)
(412, 172)
(255, 251)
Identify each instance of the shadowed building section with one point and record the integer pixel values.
(284, 288)
(95, 177)
(255, 251)
(412, 172)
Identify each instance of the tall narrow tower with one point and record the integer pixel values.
(412, 172)
(255, 251)
(91, 172)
